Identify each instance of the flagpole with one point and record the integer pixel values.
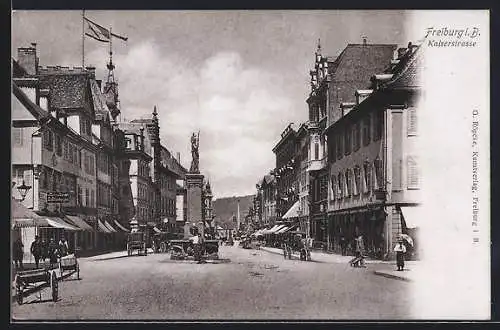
(83, 39)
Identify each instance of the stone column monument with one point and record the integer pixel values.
(194, 186)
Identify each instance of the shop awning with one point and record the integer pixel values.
(274, 230)
(79, 222)
(293, 212)
(118, 225)
(268, 231)
(411, 215)
(56, 222)
(27, 223)
(281, 230)
(156, 230)
(102, 227)
(108, 225)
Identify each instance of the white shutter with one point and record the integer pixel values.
(412, 173)
(412, 121)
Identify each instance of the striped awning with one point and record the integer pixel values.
(56, 222)
(27, 223)
(102, 228)
(79, 222)
(119, 226)
(108, 225)
(275, 229)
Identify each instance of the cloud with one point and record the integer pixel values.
(239, 109)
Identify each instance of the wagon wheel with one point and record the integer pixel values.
(19, 292)
(163, 247)
(54, 286)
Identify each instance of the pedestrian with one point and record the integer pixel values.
(63, 247)
(45, 251)
(196, 247)
(360, 249)
(53, 252)
(18, 253)
(400, 250)
(36, 250)
(343, 245)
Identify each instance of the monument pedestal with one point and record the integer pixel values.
(194, 200)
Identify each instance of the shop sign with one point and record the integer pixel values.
(57, 197)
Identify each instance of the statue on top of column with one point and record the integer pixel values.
(195, 163)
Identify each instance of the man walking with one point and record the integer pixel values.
(343, 245)
(18, 253)
(36, 250)
(360, 249)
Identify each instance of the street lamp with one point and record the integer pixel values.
(23, 190)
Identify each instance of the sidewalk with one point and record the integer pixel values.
(379, 267)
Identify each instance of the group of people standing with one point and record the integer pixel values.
(40, 250)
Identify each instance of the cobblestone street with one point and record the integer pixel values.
(253, 285)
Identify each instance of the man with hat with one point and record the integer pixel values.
(36, 250)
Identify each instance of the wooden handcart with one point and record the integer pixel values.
(36, 279)
(69, 263)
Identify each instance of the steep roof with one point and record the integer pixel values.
(66, 90)
(407, 74)
(354, 60)
(99, 100)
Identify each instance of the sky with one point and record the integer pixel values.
(239, 77)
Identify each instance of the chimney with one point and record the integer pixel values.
(364, 41)
(91, 71)
(179, 157)
(26, 57)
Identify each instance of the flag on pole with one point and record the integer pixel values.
(99, 33)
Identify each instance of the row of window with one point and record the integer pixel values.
(103, 162)
(363, 132)
(168, 206)
(85, 197)
(104, 195)
(358, 180)
(145, 213)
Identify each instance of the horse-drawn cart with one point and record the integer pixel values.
(136, 241)
(36, 279)
(69, 263)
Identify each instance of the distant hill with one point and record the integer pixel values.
(226, 207)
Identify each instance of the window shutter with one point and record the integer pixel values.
(413, 173)
(412, 121)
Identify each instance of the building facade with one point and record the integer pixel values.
(286, 171)
(333, 82)
(373, 164)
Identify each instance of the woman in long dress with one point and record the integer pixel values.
(400, 250)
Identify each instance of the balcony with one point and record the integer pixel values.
(316, 165)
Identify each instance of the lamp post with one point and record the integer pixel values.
(23, 190)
